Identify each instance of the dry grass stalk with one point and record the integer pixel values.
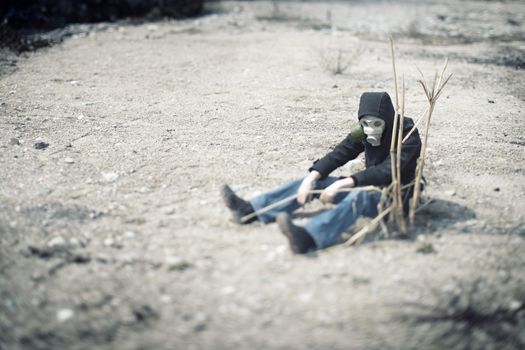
(395, 150)
(400, 219)
(432, 97)
(395, 180)
(426, 203)
(338, 64)
(416, 124)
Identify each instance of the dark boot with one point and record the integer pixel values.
(300, 241)
(238, 206)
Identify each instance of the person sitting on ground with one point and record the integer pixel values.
(376, 116)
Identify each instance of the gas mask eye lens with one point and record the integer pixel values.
(377, 124)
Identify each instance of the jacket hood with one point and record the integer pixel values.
(378, 104)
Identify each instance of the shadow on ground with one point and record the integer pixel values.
(440, 214)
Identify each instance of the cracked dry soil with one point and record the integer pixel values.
(112, 232)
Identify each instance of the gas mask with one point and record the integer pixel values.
(373, 127)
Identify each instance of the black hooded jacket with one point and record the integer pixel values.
(377, 158)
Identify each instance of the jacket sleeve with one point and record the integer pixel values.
(380, 174)
(345, 151)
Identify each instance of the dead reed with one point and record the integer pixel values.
(337, 63)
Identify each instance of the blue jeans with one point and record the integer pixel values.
(327, 227)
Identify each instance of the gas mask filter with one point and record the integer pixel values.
(373, 128)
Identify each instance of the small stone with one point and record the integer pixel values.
(74, 242)
(69, 160)
(129, 234)
(450, 193)
(169, 211)
(176, 263)
(426, 248)
(491, 101)
(37, 276)
(14, 141)
(515, 305)
(497, 189)
(144, 189)
(281, 249)
(41, 145)
(128, 259)
(166, 299)
(305, 297)
(199, 327)
(109, 176)
(65, 314)
(56, 242)
(228, 290)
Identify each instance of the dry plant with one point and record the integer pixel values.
(474, 314)
(432, 95)
(336, 63)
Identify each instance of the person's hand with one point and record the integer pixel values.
(303, 195)
(329, 193)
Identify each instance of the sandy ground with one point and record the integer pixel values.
(114, 236)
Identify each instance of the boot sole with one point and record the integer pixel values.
(283, 222)
(226, 194)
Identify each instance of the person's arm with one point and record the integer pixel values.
(328, 195)
(303, 194)
(345, 151)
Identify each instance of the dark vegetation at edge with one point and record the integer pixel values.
(21, 21)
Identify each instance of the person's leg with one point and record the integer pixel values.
(326, 228)
(300, 241)
(238, 206)
(281, 193)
